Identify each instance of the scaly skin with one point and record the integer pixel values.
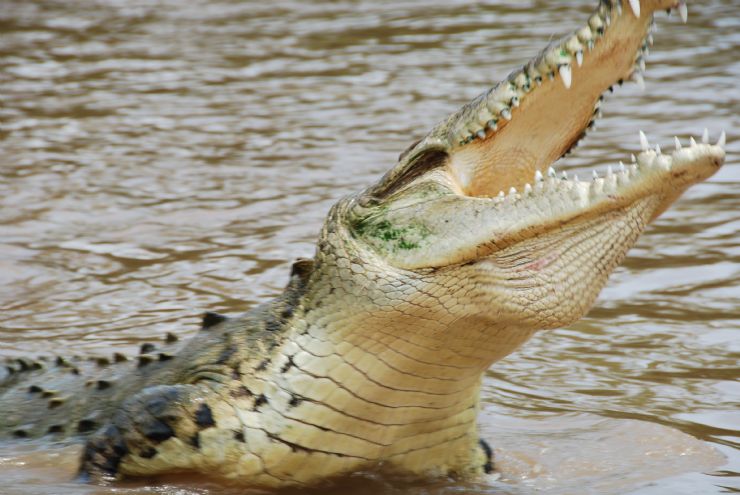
(373, 355)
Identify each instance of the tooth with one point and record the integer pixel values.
(657, 149)
(650, 39)
(514, 102)
(506, 113)
(564, 175)
(635, 4)
(622, 169)
(566, 74)
(527, 189)
(576, 179)
(609, 172)
(683, 10)
(705, 136)
(677, 143)
(512, 191)
(579, 57)
(722, 140)
(637, 77)
(633, 159)
(538, 176)
(641, 64)
(501, 194)
(551, 172)
(481, 134)
(692, 141)
(644, 141)
(491, 124)
(595, 174)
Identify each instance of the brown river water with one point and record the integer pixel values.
(160, 158)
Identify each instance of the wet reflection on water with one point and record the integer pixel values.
(161, 158)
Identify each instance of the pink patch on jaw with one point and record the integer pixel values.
(538, 265)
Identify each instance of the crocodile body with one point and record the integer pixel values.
(372, 357)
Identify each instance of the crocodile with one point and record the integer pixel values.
(372, 357)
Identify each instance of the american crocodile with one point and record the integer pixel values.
(372, 357)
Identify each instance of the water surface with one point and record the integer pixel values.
(161, 158)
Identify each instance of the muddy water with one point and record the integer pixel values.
(162, 158)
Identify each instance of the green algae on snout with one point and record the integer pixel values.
(385, 236)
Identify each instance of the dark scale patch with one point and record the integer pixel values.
(165, 356)
(204, 416)
(260, 400)
(287, 365)
(20, 434)
(103, 384)
(55, 402)
(157, 431)
(56, 429)
(148, 453)
(273, 324)
(86, 425)
(241, 391)
(48, 393)
(35, 389)
(239, 436)
(195, 440)
(211, 319)
(263, 365)
(119, 358)
(170, 338)
(295, 401)
(144, 360)
(146, 348)
(488, 466)
(226, 354)
(102, 361)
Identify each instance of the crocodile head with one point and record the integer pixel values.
(477, 200)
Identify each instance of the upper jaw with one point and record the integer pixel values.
(542, 110)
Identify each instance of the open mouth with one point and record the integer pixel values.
(503, 138)
(483, 179)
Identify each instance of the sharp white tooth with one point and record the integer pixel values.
(538, 176)
(594, 174)
(512, 191)
(644, 141)
(639, 80)
(683, 11)
(635, 4)
(576, 179)
(633, 158)
(692, 141)
(722, 141)
(641, 64)
(506, 113)
(566, 74)
(527, 189)
(501, 194)
(481, 134)
(579, 57)
(550, 172)
(705, 136)
(677, 143)
(609, 171)
(564, 175)
(622, 169)
(650, 39)
(657, 149)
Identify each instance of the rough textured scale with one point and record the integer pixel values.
(374, 353)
